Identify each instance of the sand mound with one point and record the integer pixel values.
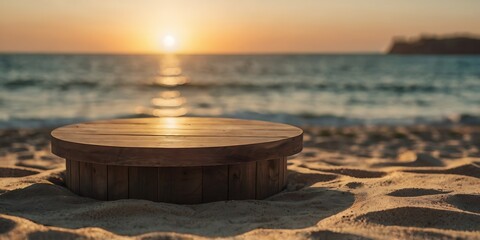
(131, 217)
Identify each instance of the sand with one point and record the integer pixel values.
(415, 182)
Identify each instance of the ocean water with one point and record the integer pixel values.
(48, 90)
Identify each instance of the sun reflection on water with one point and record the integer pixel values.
(169, 101)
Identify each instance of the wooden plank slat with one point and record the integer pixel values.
(143, 183)
(99, 181)
(215, 183)
(162, 157)
(206, 129)
(67, 173)
(283, 173)
(165, 179)
(187, 185)
(174, 122)
(268, 181)
(242, 181)
(181, 132)
(117, 182)
(85, 188)
(179, 120)
(166, 141)
(75, 176)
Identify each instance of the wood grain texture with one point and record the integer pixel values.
(242, 181)
(176, 160)
(117, 182)
(99, 181)
(143, 183)
(215, 183)
(190, 141)
(268, 177)
(85, 188)
(186, 186)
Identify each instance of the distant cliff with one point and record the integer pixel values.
(436, 45)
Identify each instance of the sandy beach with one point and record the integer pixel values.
(383, 99)
(415, 182)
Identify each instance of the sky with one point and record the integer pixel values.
(214, 26)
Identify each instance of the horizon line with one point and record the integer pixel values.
(186, 53)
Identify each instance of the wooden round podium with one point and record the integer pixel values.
(176, 160)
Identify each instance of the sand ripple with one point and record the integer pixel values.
(466, 202)
(6, 225)
(424, 218)
(15, 172)
(471, 170)
(415, 192)
(356, 173)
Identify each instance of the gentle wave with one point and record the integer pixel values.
(322, 89)
(397, 88)
(247, 86)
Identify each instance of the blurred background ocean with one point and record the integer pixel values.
(47, 90)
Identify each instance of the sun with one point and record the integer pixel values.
(169, 42)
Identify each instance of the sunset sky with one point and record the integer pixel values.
(147, 26)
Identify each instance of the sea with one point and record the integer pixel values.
(47, 90)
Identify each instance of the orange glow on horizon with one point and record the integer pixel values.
(225, 27)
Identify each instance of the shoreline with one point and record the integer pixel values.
(352, 182)
(297, 120)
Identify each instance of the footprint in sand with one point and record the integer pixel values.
(6, 225)
(471, 170)
(411, 159)
(354, 185)
(295, 196)
(15, 172)
(39, 190)
(57, 179)
(415, 192)
(40, 164)
(466, 202)
(25, 156)
(309, 154)
(298, 181)
(356, 173)
(326, 234)
(424, 218)
(52, 234)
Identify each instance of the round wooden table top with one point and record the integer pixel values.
(175, 142)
